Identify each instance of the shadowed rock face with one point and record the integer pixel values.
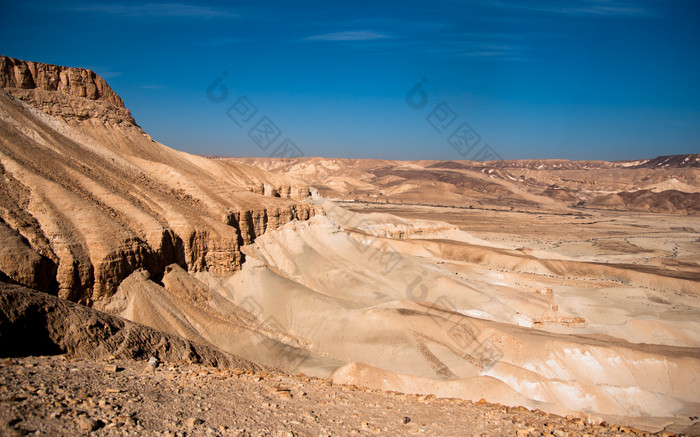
(87, 197)
(54, 326)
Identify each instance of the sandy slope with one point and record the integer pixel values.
(114, 391)
(440, 311)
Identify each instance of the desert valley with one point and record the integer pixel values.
(307, 296)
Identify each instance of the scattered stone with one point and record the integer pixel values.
(194, 421)
(237, 406)
(87, 424)
(310, 417)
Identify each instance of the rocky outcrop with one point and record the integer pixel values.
(68, 81)
(73, 109)
(50, 325)
(286, 191)
(22, 264)
(554, 318)
(64, 92)
(85, 277)
(221, 255)
(25, 253)
(253, 223)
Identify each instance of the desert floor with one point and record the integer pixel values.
(641, 236)
(59, 396)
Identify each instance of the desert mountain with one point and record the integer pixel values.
(666, 184)
(88, 197)
(567, 303)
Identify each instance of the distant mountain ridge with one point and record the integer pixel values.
(669, 184)
(668, 161)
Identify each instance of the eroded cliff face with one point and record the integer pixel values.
(87, 197)
(65, 92)
(76, 82)
(253, 223)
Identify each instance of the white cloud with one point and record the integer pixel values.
(607, 8)
(352, 35)
(158, 10)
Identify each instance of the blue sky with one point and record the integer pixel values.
(576, 79)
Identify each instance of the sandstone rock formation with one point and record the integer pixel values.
(88, 197)
(75, 82)
(65, 92)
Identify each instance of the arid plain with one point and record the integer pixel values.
(571, 288)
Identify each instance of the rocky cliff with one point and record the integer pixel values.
(87, 197)
(68, 81)
(69, 93)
